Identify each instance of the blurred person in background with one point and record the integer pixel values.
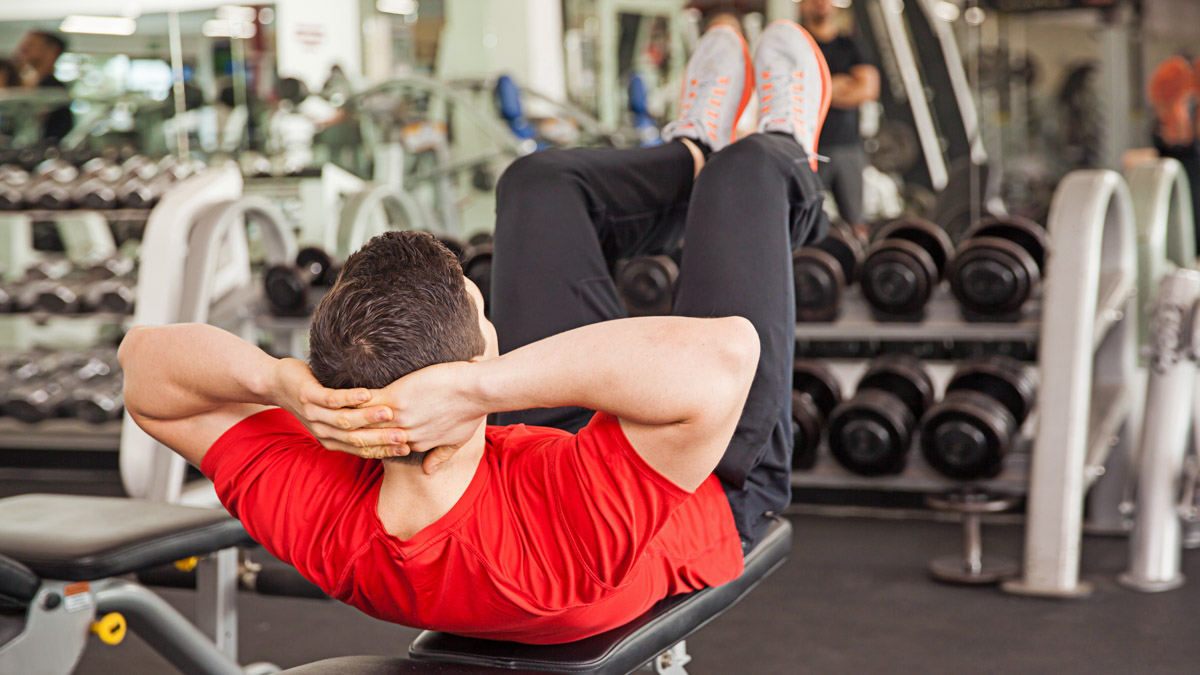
(1172, 91)
(34, 58)
(855, 82)
(8, 80)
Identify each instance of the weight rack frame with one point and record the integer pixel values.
(1085, 326)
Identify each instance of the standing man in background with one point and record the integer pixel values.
(34, 57)
(855, 82)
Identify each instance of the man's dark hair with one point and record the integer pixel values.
(54, 40)
(399, 305)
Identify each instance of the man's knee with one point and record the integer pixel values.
(533, 173)
(751, 158)
(533, 189)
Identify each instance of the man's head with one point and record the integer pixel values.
(400, 304)
(817, 11)
(37, 51)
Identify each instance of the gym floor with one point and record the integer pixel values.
(853, 598)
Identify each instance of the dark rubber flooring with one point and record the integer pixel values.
(853, 598)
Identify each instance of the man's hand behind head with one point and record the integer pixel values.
(337, 417)
(438, 408)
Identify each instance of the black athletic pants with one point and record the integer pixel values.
(564, 217)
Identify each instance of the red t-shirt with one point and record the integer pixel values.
(558, 537)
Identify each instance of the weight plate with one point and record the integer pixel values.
(817, 381)
(993, 276)
(923, 233)
(966, 436)
(807, 422)
(898, 277)
(819, 282)
(1002, 378)
(843, 245)
(870, 434)
(904, 377)
(647, 284)
(1020, 231)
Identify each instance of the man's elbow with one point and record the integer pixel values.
(129, 346)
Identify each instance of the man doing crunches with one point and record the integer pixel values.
(530, 533)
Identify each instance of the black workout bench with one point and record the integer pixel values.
(654, 641)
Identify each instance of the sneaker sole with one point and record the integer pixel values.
(826, 85)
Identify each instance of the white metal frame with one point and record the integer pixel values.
(1087, 357)
(194, 252)
(1156, 544)
(1162, 207)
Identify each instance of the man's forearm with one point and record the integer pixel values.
(176, 371)
(652, 370)
(852, 90)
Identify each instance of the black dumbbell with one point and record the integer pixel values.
(49, 267)
(815, 393)
(871, 433)
(43, 388)
(117, 296)
(13, 181)
(904, 266)
(823, 271)
(56, 296)
(110, 268)
(52, 186)
(287, 286)
(967, 435)
(647, 284)
(480, 238)
(477, 266)
(98, 401)
(97, 188)
(998, 266)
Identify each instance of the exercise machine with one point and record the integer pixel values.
(61, 557)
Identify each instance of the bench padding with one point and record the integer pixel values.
(621, 650)
(18, 584)
(74, 538)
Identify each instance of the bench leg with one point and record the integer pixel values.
(216, 600)
(672, 661)
(165, 629)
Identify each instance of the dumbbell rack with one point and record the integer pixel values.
(1083, 325)
(86, 237)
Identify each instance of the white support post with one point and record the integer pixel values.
(216, 600)
(1088, 303)
(1155, 548)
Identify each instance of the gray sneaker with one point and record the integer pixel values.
(793, 84)
(717, 84)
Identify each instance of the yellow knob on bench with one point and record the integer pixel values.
(111, 628)
(187, 564)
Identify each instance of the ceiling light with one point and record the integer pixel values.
(235, 13)
(396, 6)
(219, 28)
(98, 25)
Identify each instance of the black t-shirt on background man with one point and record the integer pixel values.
(59, 121)
(841, 126)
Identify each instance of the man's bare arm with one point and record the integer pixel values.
(860, 85)
(677, 384)
(186, 384)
